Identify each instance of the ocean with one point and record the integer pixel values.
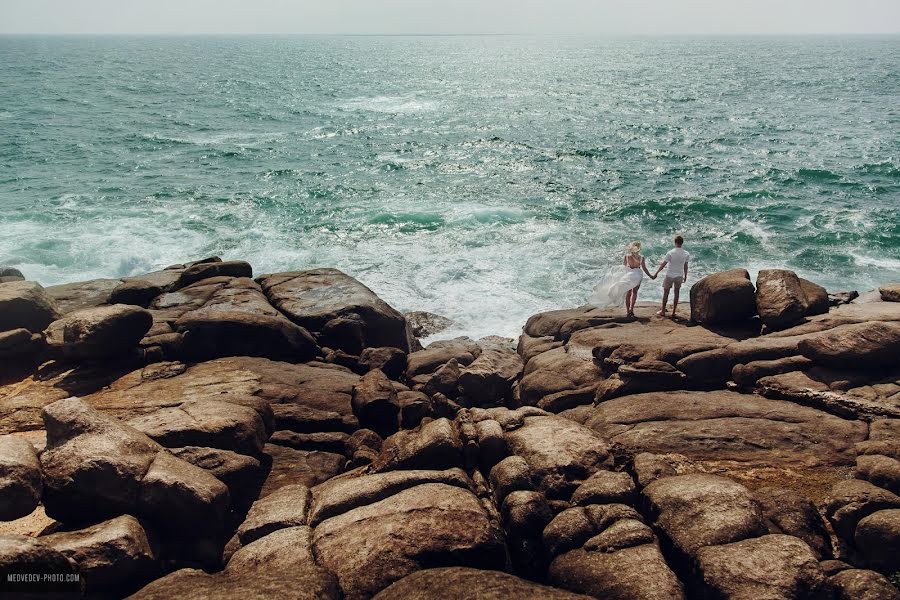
(483, 178)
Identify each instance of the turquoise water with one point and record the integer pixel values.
(483, 178)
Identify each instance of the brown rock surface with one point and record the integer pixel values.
(462, 583)
(725, 297)
(25, 304)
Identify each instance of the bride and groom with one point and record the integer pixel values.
(622, 284)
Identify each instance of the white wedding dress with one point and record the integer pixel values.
(611, 289)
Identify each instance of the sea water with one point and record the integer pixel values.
(482, 178)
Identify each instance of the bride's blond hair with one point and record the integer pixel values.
(634, 248)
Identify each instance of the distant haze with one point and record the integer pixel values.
(458, 16)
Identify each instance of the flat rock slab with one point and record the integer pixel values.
(848, 394)
(727, 425)
(371, 547)
(70, 297)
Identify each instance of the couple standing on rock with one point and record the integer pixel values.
(622, 283)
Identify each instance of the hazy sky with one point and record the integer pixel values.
(450, 16)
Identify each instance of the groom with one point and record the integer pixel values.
(677, 259)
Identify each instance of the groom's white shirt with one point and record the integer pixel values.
(677, 258)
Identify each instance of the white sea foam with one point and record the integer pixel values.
(389, 104)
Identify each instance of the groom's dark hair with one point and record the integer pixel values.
(679, 240)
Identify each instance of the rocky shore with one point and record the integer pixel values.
(196, 432)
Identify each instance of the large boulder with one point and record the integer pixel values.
(286, 507)
(24, 304)
(299, 467)
(878, 539)
(860, 584)
(95, 467)
(698, 510)
(722, 298)
(370, 547)
(434, 445)
(817, 302)
(279, 565)
(462, 583)
(633, 573)
(114, 557)
(27, 557)
(209, 423)
(771, 566)
(20, 478)
(860, 346)
(428, 360)
(104, 331)
(789, 513)
(205, 270)
(560, 453)
(344, 313)
(424, 324)
(491, 376)
(343, 494)
(883, 471)
(780, 299)
(234, 319)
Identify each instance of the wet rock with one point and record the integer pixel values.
(636, 573)
(208, 423)
(25, 304)
(425, 324)
(286, 507)
(370, 547)
(786, 512)
(279, 565)
(206, 270)
(852, 500)
(346, 314)
(860, 346)
(859, 584)
(104, 331)
(721, 298)
(428, 360)
(138, 292)
(698, 510)
(890, 292)
(391, 361)
(489, 379)
(605, 487)
(115, 556)
(20, 478)
(878, 539)
(561, 454)
(882, 471)
(25, 554)
(771, 566)
(461, 583)
(780, 299)
(375, 403)
(434, 445)
(12, 273)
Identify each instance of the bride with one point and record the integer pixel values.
(622, 283)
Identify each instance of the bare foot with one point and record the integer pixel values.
(660, 313)
(674, 316)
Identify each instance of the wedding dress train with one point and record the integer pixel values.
(611, 289)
